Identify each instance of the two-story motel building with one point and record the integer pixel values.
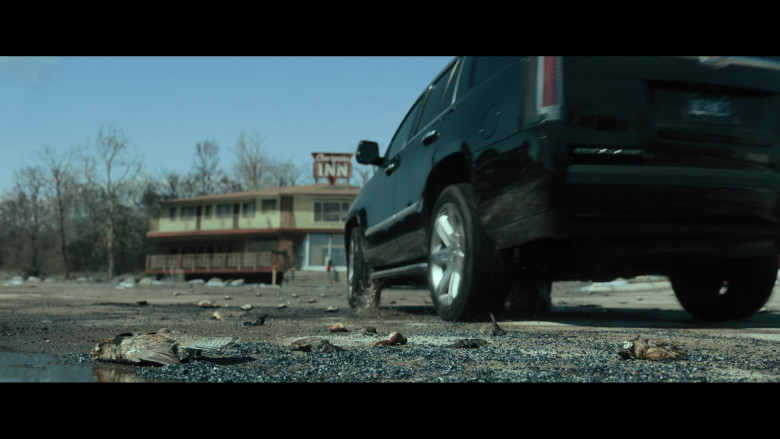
(252, 234)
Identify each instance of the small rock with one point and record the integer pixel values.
(257, 322)
(228, 297)
(369, 330)
(338, 327)
(295, 294)
(142, 302)
(175, 293)
(217, 316)
(331, 309)
(313, 344)
(281, 305)
(207, 304)
(246, 307)
(311, 300)
(468, 343)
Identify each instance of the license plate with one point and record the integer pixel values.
(711, 110)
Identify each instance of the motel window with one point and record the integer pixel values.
(248, 210)
(330, 211)
(224, 210)
(187, 212)
(207, 211)
(268, 206)
(172, 216)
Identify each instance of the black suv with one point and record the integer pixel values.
(511, 172)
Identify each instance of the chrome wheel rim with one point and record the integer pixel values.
(447, 254)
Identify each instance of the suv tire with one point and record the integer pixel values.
(362, 292)
(460, 269)
(728, 290)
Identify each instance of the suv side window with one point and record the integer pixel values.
(440, 95)
(405, 130)
(483, 67)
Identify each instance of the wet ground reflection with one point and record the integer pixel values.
(43, 368)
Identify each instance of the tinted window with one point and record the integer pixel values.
(440, 96)
(483, 67)
(405, 130)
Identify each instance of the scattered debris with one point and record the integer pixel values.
(15, 281)
(468, 343)
(217, 316)
(331, 309)
(496, 330)
(338, 327)
(257, 322)
(246, 307)
(395, 338)
(159, 347)
(640, 348)
(215, 282)
(207, 304)
(314, 344)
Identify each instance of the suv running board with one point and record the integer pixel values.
(406, 270)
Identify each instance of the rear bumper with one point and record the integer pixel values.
(642, 202)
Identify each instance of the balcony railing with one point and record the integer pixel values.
(217, 262)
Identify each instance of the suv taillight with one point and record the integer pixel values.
(547, 74)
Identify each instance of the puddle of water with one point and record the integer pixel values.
(40, 368)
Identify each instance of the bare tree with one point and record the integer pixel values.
(205, 169)
(112, 172)
(31, 210)
(365, 173)
(59, 185)
(256, 170)
(251, 161)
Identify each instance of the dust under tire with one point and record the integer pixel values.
(362, 292)
(461, 263)
(727, 290)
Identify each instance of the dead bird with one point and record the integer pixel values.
(159, 347)
(641, 348)
(496, 330)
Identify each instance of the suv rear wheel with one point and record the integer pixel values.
(727, 290)
(362, 292)
(460, 271)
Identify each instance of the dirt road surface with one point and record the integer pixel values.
(578, 342)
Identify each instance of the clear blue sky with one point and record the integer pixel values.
(165, 105)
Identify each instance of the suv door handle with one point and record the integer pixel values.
(430, 137)
(391, 167)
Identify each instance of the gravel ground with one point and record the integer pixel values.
(578, 342)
